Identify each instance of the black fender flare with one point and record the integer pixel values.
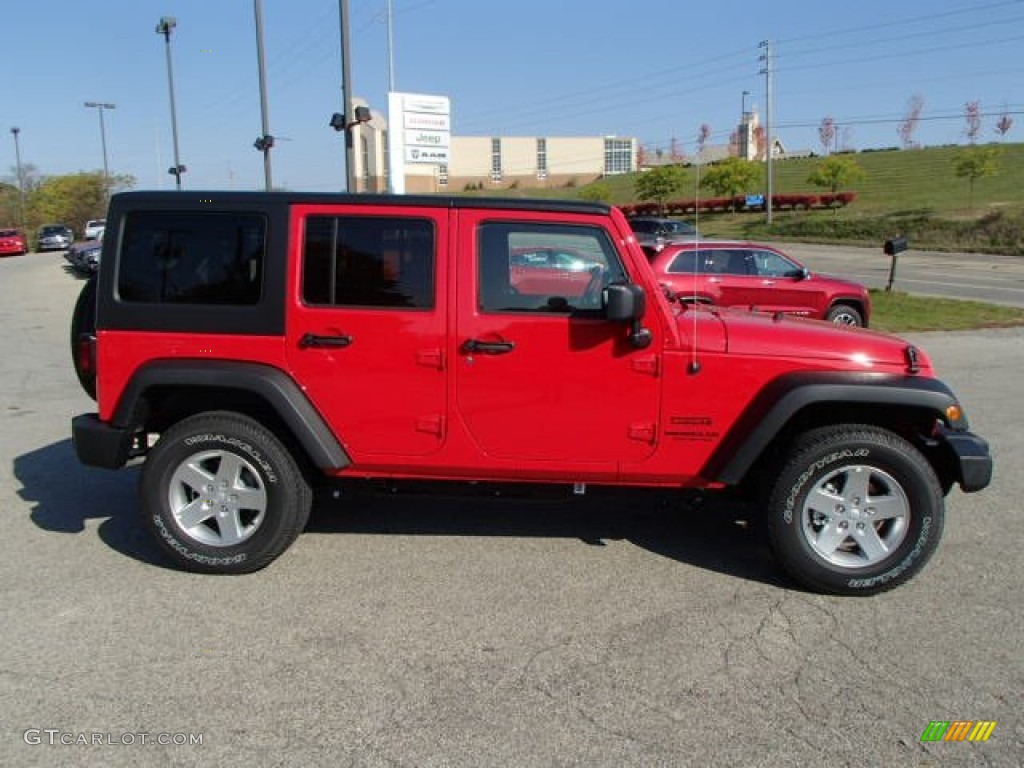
(272, 384)
(778, 402)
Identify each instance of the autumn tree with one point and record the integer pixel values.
(731, 176)
(1004, 124)
(836, 172)
(972, 116)
(908, 126)
(975, 163)
(659, 184)
(73, 199)
(827, 133)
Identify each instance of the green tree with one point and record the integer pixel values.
(731, 176)
(598, 192)
(976, 163)
(836, 172)
(73, 199)
(659, 184)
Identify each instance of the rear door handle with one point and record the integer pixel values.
(331, 342)
(472, 346)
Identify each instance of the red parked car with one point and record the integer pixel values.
(12, 243)
(757, 277)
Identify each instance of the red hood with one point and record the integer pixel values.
(760, 334)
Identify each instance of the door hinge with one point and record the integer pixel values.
(645, 432)
(431, 425)
(649, 365)
(430, 358)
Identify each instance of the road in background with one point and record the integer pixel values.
(485, 631)
(982, 277)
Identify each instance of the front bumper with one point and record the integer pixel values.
(972, 457)
(98, 444)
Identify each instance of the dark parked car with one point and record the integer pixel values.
(85, 257)
(668, 229)
(55, 237)
(757, 277)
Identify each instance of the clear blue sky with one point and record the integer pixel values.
(655, 70)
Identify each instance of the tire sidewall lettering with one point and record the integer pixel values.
(241, 445)
(814, 469)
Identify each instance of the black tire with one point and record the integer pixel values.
(254, 505)
(856, 510)
(845, 314)
(83, 322)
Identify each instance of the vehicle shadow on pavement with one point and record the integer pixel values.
(715, 534)
(64, 495)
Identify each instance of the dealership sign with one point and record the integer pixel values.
(420, 133)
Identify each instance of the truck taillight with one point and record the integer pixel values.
(85, 354)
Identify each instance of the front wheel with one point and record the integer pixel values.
(222, 494)
(856, 510)
(845, 314)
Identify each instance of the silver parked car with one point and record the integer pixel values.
(54, 237)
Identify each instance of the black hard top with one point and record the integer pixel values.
(233, 198)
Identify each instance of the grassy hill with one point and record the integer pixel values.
(912, 192)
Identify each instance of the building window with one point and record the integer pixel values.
(387, 160)
(618, 156)
(364, 157)
(542, 158)
(442, 175)
(495, 159)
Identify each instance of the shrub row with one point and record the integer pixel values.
(739, 203)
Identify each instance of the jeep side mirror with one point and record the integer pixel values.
(624, 302)
(627, 303)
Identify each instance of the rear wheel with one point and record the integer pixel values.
(222, 494)
(83, 329)
(856, 510)
(845, 314)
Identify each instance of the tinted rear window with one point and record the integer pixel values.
(369, 261)
(192, 258)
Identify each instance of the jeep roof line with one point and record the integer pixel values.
(248, 345)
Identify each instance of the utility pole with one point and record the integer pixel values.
(769, 63)
(351, 183)
(164, 27)
(21, 179)
(266, 141)
(103, 140)
(391, 48)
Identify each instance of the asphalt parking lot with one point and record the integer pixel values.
(626, 630)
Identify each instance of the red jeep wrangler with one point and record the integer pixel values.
(248, 344)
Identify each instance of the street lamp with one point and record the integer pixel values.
(103, 139)
(164, 27)
(21, 181)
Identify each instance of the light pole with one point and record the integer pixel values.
(99, 106)
(347, 107)
(21, 181)
(164, 27)
(265, 141)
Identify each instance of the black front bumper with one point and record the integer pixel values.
(974, 462)
(98, 444)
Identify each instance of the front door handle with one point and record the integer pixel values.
(333, 342)
(472, 346)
